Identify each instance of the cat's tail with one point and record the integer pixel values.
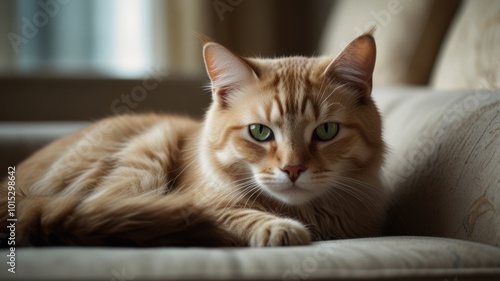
(169, 220)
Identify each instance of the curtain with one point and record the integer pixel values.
(125, 37)
(92, 37)
(7, 26)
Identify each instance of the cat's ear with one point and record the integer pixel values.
(354, 65)
(227, 71)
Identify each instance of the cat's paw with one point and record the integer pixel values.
(280, 232)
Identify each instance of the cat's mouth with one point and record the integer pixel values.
(292, 194)
(293, 189)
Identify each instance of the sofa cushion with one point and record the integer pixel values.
(411, 258)
(470, 57)
(443, 162)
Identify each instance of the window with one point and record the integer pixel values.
(95, 37)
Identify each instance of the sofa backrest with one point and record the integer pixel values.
(409, 35)
(443, 163)
(470, 57)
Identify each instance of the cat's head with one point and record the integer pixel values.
(293, 128)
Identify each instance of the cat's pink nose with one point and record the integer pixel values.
(293, 171)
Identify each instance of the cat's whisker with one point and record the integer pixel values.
(335, 90)
(240, 190)
(368, 188)
(256, 191)
(348, 190)
(354, 190)
(261, 193)
(322, 90)
(170, 182)
(231, 203)
(358, 194)
(369, 204)
(336, 195)
(371, 187)
(230, 196)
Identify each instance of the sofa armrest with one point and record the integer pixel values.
(443, 162)
(18, 140)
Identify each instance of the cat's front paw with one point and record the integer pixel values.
(280, 232)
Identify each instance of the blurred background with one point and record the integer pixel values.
(87, 59)
(70, 59)
(122, 38)
(64, 63)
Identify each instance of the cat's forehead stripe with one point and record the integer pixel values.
(303, 105)
(293, 78)
(298, 102)
(282, 106)
(265, 113)
(275, 115)
(279, 104)
(290, 102)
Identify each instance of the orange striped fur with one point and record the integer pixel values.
(151, 180)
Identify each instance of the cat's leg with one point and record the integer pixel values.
(261, 229)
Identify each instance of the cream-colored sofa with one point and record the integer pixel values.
(443, 166)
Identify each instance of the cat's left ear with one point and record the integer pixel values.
(227, 71)
(355, 64)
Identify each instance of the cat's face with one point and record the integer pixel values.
(292, 128)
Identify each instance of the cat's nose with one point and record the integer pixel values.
(293, 171)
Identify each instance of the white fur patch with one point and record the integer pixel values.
(275, 112)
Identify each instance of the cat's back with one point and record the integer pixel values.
(86, 156)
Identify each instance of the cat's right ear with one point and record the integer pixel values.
(227, 71)
(354, 65)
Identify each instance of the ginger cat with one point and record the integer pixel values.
(290, 152)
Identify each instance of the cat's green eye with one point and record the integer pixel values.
(326, 131)
(261, 132)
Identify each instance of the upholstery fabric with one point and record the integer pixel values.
(408, 35)
(354, 259)
(443, 162)
(470, 57)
